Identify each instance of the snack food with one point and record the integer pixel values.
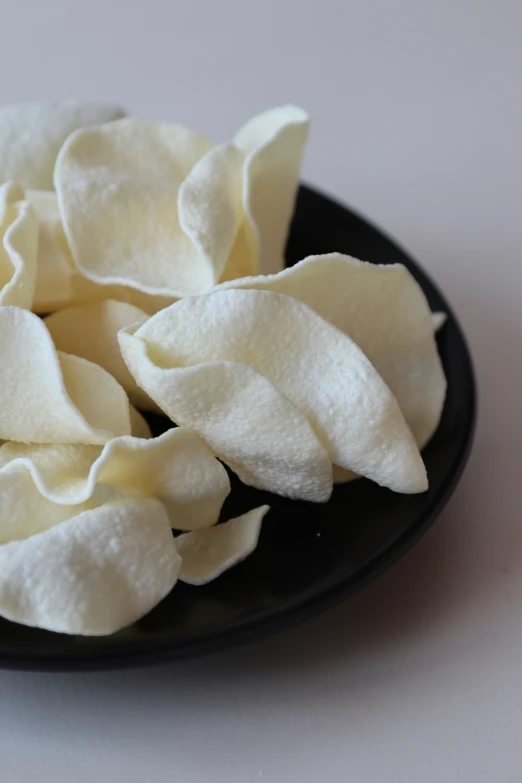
(383, 309)
(176, 235)
(207, 553)
(52, 397)
(31, 135)
(18, 248)
(92, 574)
(141, 245)
(176, 468)
(91, 332)
(197, 349)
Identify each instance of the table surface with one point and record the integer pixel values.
(417, 122)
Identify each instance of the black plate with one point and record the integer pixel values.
(310, 556)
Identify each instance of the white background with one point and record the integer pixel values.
(417, 122)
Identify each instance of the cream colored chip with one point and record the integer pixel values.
(18, 249)
(243, 260)
(59, 471)
(54, 273)
(50, 397)
(93, 574)
(199, 359)
(273, 143)
(383, 309)
(245, 420)
(206, 554)
(85, 292)
(97, 396)
(173, 213)
(124, 178)
(31, 135)
(210, 209)
(90, 331)
(177, 468)
(58, 283)
(23, 510)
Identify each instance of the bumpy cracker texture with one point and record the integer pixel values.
(177, 468)
(91, 330)
(301, 357)
(383, 309)
(24, 511)
(274, 144)
(48, 397)
(245, 420)
(31, 135)
(124, 178)
(174, 214)
(93, 574)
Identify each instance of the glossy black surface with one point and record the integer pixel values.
(309, 556)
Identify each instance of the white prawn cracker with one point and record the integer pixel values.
(52, 397)
(124, 178)
(174, 214)
(31, 135)
(90, 331)
(54, 286)
(177, 468)
(273, 144)
(18, 247)
(226, 363)
(24, 511)
(92, 574)
(206, 554)
(383, 309)
(244, 419)
(59, 284)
